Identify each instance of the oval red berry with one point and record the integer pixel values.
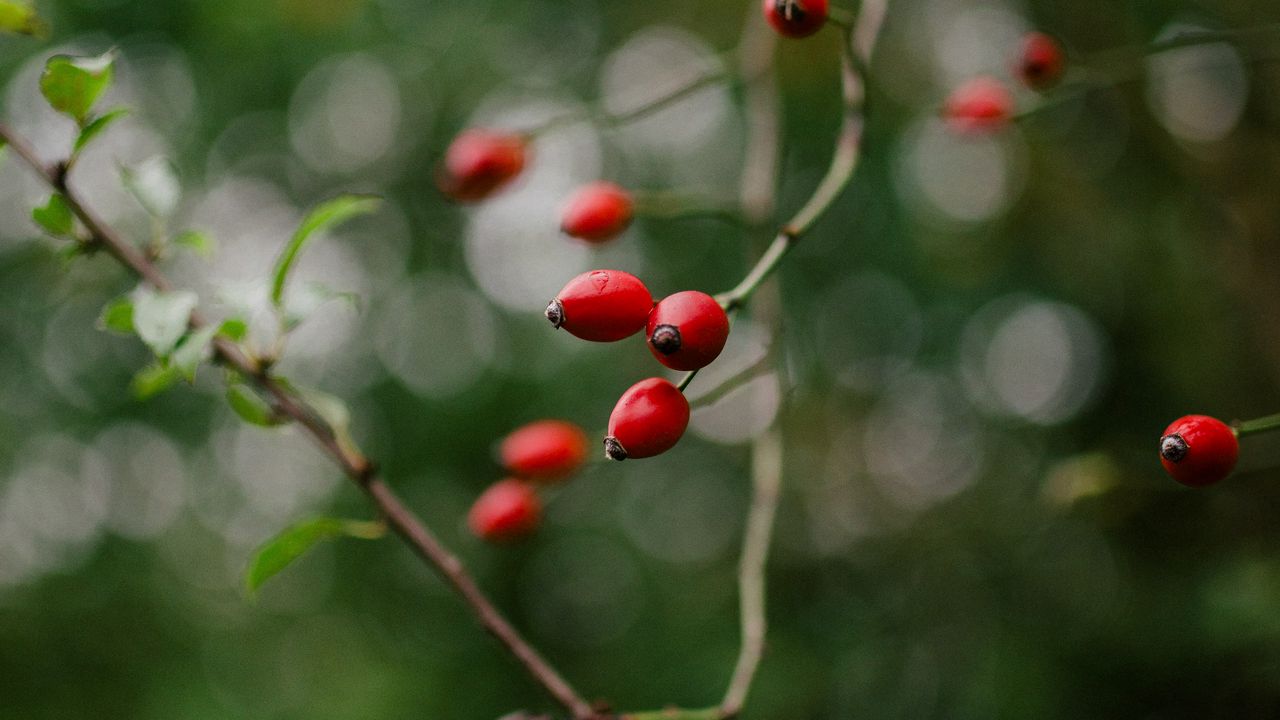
(981, 105)
(545, 450)
(598, 212)
(648, 420)
(601, 306)
(1198, 450)
(796, 18)
(687, 330)
(507, 510)
(1040, 61)
(478, 163)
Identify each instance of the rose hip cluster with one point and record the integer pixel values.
(535, 455)
(985, 104)
(684, 331)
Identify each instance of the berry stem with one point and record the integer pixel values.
(359, 469)
(843, 163)
(668, 205)
(1257, 425)
(684, 381)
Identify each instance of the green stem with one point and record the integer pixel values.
(675, 714)
(1257, 425)
(616, 119)
(666, 205)
(684, 381)
(840, 172)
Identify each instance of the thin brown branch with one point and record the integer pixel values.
(355, 466)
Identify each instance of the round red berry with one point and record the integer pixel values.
(598, 212)
(545, 450)
(980, 105)
(507, 510)
(1040, 61)
(796, 18)
(601, 306)
(1198, 450)
(480, 162)
(648, 420)
(687, 330)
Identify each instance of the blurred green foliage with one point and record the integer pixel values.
(982, 342)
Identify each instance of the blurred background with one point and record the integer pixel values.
(981, 344)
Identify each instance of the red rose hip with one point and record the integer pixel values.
(601, 306)
(648, 420)
(981, 105)
(1198, 450)
(507, 510)
(796, 18)
(1040, 61)
(687, 330)
(478, 163)
(598, 212)
(545, 450)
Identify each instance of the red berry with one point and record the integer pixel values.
(980, 105)
(1198, 450)
(507, 510)
(601, 306)
(545, 450)
(1040, 61)
(687, 330)
(796, 18)
(597, 212)
(648, 420)
(479, 162)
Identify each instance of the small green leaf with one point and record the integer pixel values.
(152, 380)
(20, 17)
(277, 553)
(323, 216)
(154, 182)
(117, 316)
(234, 329)
(251, 408)
(193, 350)
(55, 216)
(161, 319)
(73, 84)
(95, 128)
(197, 241)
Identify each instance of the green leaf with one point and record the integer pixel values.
(193, 350)
(251, 408)
(323, 216)
(73, 84)
(277, 553)
(305, 300)
(117, 316)
(95, 128)
(55, 217)
(21, 18)
(197, 241)
(152, 380)
(154, 182)
(234, 329)
(161, 318)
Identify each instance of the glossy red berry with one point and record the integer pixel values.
(1040, 61)
(687, 330)
(480, 162)
(796, 18)
(648, 420)
(598, 212)
(981, 105)
(545, 450)
(1198, 450)
(507, 510)
(601, 306)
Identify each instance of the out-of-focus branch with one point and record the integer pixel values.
(359, 469)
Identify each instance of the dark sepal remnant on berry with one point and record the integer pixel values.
(555, 313)
(614, 450)
(666, 339)
(1173, 448)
